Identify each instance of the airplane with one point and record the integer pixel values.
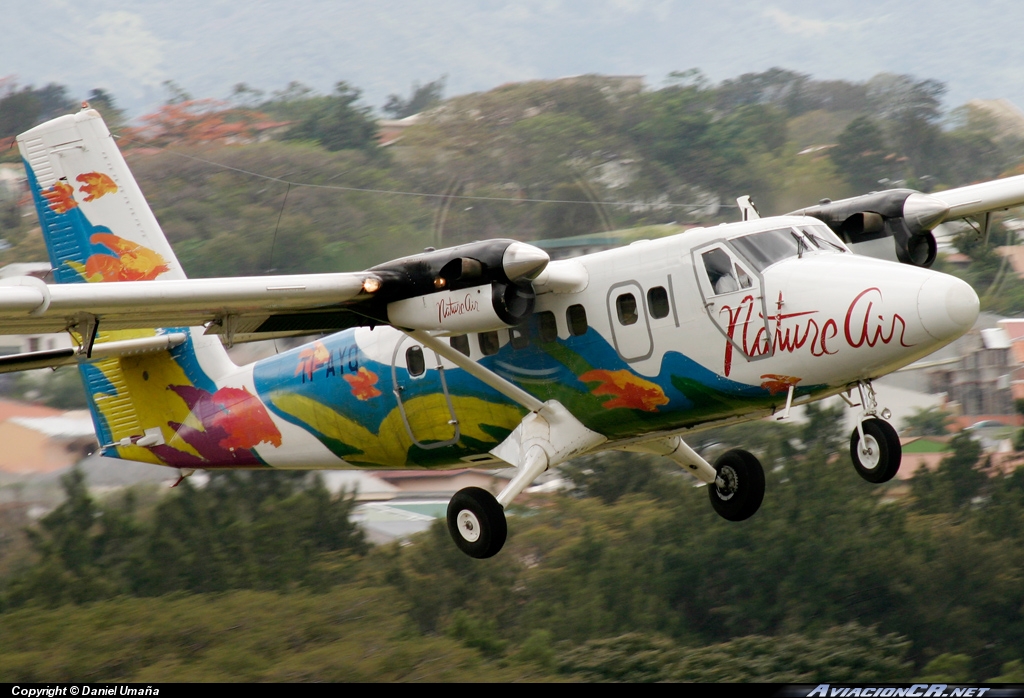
(488, 353)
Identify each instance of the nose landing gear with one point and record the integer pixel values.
(874, 445)
(875, 449)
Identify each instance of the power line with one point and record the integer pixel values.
(394, 192)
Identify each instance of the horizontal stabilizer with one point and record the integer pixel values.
(55, 358)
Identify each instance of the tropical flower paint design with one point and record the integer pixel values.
(363, 383)
(60, 197)
(222, 428)
(95, 185)
(627, 389)
(119, 259)
(775, 383)
(389, 444)
(311, 358)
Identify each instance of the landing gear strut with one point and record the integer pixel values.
(546, 437)
(874, 445)
(735, 483)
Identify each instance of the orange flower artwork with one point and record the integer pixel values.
(312, 357)
(362, 383)
(95, 185)
(130, 262)
(243, 418)
(775, 383)
(629, 390)
(60, 197)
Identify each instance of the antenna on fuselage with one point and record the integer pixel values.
(747, 208)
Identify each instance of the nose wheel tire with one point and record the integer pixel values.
(739, 490)
(876, 459)
(476, 522)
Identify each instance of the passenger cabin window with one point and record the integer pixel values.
(625, 306)
(657, 302)
(489, 343)
(518, 337)
(414, 361)
(547, 326)
(576, 318)
(719, 267)
(460, 343)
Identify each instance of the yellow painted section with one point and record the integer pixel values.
(144, 381)
(428, 417)
(148, 377)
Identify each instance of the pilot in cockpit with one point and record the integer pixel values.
(719, 268)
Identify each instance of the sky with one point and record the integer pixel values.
(130, 47)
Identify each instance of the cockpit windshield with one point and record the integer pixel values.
(765, 249)
(823, 237)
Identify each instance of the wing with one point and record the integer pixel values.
(985, 197)
(114, 268)
(242, 305)
(453, 290)
(897, 223)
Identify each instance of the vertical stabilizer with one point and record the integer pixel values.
(98, 228)
(96, 222)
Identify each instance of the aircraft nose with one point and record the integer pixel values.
(947, 306)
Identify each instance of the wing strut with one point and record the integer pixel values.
(548, 435)
(507, 388)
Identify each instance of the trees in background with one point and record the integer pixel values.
(335, 122)
(421, 98)
(241, 531)
(630, 577)
(605, 152)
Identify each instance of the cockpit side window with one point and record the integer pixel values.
(743, 277)
(720, 271)
(764, 249)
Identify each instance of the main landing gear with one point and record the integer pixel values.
(735, 483)
(476, 519)
(476, 522)
(874, 445)
(545, 437)
(738, 491)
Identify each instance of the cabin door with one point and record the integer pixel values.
(627, 314)
(421, 390)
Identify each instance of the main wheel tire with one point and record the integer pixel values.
(742, 490)
(476, 522)
(879, 460)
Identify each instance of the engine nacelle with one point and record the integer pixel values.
(476, 309)
(905, 215)
(459, 268)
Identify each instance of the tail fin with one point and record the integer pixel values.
(96, 223)
(99, 228)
